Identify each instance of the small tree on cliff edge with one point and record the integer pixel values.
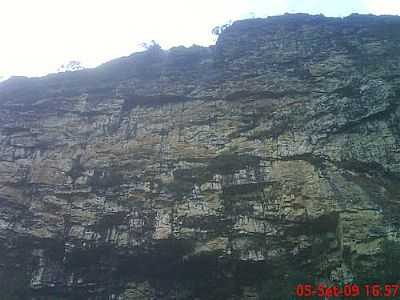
(152, 46)
(73, 65)
(217, 30)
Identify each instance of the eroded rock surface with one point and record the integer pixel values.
(229, 172)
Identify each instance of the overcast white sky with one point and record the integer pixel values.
(38, 36)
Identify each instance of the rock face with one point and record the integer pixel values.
(229, 172)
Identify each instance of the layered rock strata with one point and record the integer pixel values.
(228, 172)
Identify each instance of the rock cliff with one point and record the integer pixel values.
(228, 172)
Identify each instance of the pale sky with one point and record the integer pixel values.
(38, 36)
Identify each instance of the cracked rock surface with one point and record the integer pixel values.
(226, 172)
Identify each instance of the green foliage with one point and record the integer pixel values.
(153, 52)
(282, 285)
(16, 269)
(14, 285)
(73, 65)
(148, 64)
(152, 46)
(391, 261)
(385, 270)
(217, 30)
